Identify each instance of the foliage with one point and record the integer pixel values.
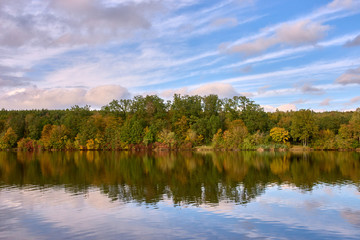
(27, 144)
(144, 121)
(167, 137)
(252, 142)
(351, 131)
(325, 140)
(235, 135)
(303, 126)
(8, 139)
(218, 140)
(279, 135)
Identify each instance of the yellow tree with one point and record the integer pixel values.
(8, 140)
(279, 135)
(180, 128)
(167, 137)
(45, 136)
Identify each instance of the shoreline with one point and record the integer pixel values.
(195, 149)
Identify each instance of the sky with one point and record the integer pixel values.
(285, 55)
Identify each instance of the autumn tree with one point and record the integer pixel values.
(180, 128)
(45, 136)
(235, 135)
(8, 139)
(58, 136)
(167, 137)
(279, 135)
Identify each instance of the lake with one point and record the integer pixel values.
(187, 195)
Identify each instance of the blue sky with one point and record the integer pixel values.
(282, 54)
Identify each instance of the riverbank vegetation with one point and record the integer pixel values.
(148, 123)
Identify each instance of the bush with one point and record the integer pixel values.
(27, 144)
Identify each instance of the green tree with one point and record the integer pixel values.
(355, 126)
(212, 105)
(16, 122)
(132, 131)
(303, 126)
(325, 140)
(120, 108)
(332, 120)
(253, 116)
(350, 133)
(189, 106)
(75, 118)
(34, 123)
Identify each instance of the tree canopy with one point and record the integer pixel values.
(184, 122)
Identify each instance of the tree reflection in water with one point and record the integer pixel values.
(185, 177)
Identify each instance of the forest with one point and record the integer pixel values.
(150, 122)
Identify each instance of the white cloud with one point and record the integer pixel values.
(68, 22)
(169, 93)
(102, 95)
(309, 88)
(299, 71)
(194, 23)
(257, 46)
(52, 47)
(355, 100)
(292, 51)
(351, 76)
(343, 4)
(223, 90)
(291, 33)
(325, 102)
(282, 108)
(301, 32)
(16, 63)
(16, 91)
(60, 98)
(353, 42)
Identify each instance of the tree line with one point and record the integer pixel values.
(149, 122)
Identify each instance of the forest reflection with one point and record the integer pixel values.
(185, 177)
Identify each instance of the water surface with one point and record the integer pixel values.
(121, 195)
